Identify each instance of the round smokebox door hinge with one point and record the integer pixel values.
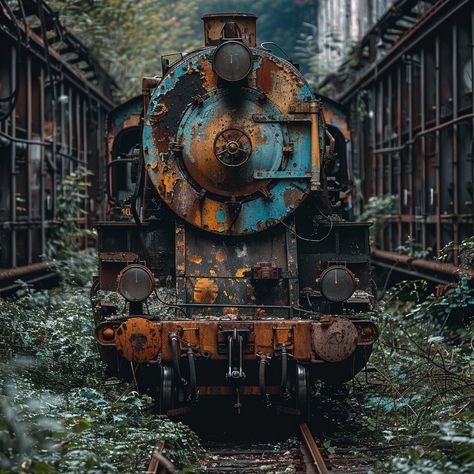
(232, 147)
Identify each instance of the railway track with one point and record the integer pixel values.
(310, 447)
(299, 454)
(296, 455)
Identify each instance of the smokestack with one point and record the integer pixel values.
(219, 27)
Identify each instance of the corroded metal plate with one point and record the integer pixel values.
(138, 340)
(336, 340)
(187, 112)
(208, 131)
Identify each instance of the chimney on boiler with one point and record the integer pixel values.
(219, 27)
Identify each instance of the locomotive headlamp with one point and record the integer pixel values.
(135, 283)
(337, 283)
(232, 61)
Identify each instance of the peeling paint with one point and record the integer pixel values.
(173, 118)
(195, 259)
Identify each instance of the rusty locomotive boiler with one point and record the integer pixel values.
(229, 181)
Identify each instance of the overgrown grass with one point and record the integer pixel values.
(56, 412)
(419, 416)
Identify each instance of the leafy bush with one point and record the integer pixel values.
(424, 360)
(68, 237)
(465, 252)
(413, 249)
(376, 208)
(56, 412)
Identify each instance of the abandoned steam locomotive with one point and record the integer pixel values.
(228, 179)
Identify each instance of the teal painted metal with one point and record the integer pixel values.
(290, 174)
(253, 211)
(197, 125)
(124, 111)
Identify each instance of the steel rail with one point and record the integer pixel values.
(313, 449)
(159, 462)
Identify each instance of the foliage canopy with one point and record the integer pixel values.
(129, 36)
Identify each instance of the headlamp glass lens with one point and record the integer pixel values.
(232, 61)
(135, 283)
(337, 284)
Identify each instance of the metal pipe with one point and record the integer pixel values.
(381, 151)
(443, 280)
(29, 157)
(437, 142)
(192, 375)
(284, 373)
(31, 281)
(438, 267)
(315, 147)
(174, 350)
(240, 306)
(261, 380)
(22, 140)
(42, 176)
(455, 136)
(18, 272)
(13, 156)
(229, 371)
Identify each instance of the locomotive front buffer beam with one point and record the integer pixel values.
(225, 357)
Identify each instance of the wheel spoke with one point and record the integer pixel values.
(232, 147)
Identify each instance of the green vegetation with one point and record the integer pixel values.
(57, 411)
(59, 414)
(376, 208)
(415, 415)
(425, 360)
(128, 37)
(465, 252)
(68, 237)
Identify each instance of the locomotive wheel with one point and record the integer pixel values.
(167, 389)
(303, 392)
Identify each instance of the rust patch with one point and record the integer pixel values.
(335, 339)
(206, 290)
(195, 259)
(292, 197)
(265, 75)
(208, 76)
(138, 339)
(214, 27)
(279, 83)
(338, 121)
(241, 272)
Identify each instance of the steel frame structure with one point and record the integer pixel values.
(56, 124)
(412, 121)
